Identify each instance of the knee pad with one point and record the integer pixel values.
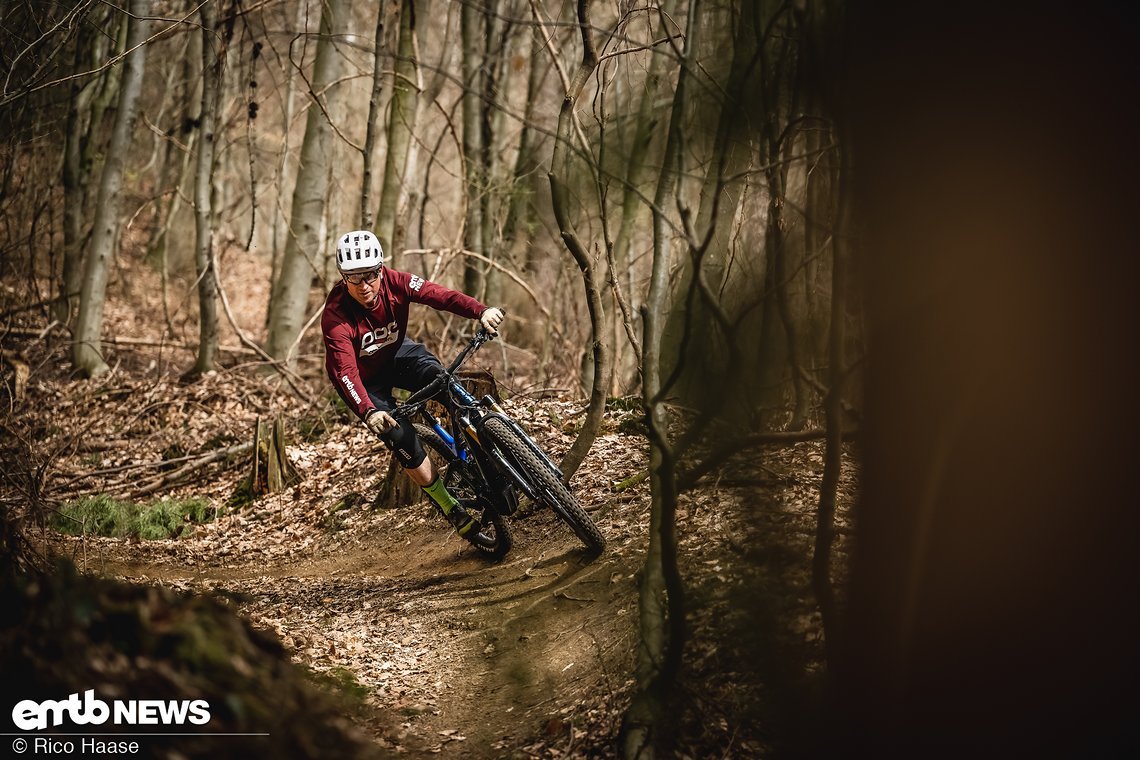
(404, 442)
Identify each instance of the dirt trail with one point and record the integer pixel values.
(458, 655)
(529, 657)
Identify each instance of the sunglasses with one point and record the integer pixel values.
(358, 278)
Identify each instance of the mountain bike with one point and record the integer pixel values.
(487, 460)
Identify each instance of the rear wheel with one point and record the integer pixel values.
(467, 484)
(549, 486)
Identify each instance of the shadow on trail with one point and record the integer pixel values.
(483, 585)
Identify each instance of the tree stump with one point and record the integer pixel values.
(270, 469)
(395, 489)
(481, 383)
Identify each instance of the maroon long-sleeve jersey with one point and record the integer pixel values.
(360, 342)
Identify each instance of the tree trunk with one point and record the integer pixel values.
(782, 149)
(213, 54)
(722, 193)
(586, 262)
(817, 228)
(176, 164)
(270, 469)
(495, 85)
(472, 31)
(86, 354)
(88, 102)
(833, 404)
(645, 728)
(778, 346)
(379, 55)
(519, 205)
(280, 223)
(777, 353)
(636, 166)
(300, 261)
(401, 125)
(75, 181)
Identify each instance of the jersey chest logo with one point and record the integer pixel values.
(371, 342)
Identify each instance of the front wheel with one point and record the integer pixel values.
(467, 484)
(548, 486)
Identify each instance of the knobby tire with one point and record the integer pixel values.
(549, 486)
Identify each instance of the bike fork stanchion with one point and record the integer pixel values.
(441, 431)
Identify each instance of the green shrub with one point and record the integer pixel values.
(167, 518)
(103, 515)
(100, 515)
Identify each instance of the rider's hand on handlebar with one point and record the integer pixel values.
(491, 319)
(379, 421)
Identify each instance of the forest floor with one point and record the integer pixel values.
(531, 656)
(446, 652)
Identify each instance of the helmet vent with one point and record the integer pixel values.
(359, 250)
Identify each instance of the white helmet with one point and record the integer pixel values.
(358, 250)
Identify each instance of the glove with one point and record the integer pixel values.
(379, 421)
(491, 319)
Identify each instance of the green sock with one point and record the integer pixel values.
(440, 495)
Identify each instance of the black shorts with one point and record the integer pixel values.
(412, 369)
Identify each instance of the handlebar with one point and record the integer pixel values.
(435, 386)
(481, 337)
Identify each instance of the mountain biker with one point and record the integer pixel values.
(367, 354)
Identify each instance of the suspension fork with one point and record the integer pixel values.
(455, 444)
(487, 457)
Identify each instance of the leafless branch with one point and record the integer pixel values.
(110, 62)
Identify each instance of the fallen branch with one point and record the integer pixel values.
(121, 341)
(173, 476)
(124, 467)
(171, 344)
(630, 482)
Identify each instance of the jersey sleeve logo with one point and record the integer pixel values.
(416, 282)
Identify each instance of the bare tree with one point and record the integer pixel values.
(472, 34)
(213, 58)
(833, 455)
(519, 207)
(83, 113)
(86, 354)
(379, 56)
(660, 593)
(586, 261)
(176, 176)
(406, 87)
(300, 261)
(636, 168)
